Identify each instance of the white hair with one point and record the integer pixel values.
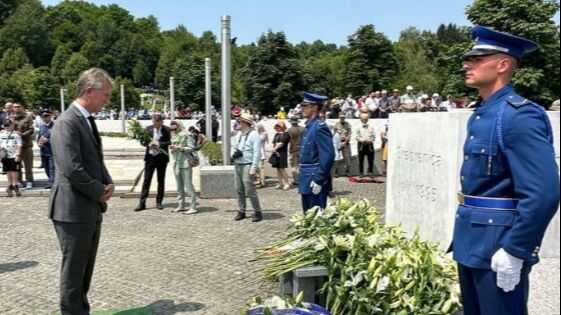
(93, 78)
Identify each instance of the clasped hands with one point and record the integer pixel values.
(108, 193)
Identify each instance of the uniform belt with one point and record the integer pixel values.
(489, 203)
(304, 166)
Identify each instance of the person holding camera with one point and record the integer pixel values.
(246, 157)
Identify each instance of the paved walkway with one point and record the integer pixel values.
(174, 264)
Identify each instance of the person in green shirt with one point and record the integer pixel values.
(184, 147)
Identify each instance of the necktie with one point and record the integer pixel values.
(94, 130)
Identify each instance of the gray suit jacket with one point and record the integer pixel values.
(81, 174)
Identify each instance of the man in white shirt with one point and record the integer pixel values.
(366, 135)
(449, 104)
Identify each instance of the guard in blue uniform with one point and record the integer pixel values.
(317, 155)
(510, 182)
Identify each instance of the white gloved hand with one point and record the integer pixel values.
(508, 269)
(316, 189)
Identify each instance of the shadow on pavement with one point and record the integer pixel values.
(270, 216)
(11, 267)
(342, 193)
(207, 209)
(163, 307)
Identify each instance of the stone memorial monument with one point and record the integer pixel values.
(426, 154)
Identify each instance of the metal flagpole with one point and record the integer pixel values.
(172, 97)
(123, 120)
(208, 99)
(226, 89)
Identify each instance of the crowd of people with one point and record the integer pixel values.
(379, 104)
(19, 132)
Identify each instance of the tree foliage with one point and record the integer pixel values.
(273, 74)
(45, 48)
(538, 77)
(371, 62)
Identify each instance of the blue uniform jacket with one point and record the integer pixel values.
(317, 156)
(508, 153)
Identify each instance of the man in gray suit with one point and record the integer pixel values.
(81, 190)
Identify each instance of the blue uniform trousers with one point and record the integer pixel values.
(310, 201)
(482, 296)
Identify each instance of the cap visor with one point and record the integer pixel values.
(480, 53)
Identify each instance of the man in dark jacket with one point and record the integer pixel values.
(156, 159)
(44, 142)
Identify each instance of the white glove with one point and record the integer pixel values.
(316, 189)
(508, 269)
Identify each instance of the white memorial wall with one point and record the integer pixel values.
(426, 154)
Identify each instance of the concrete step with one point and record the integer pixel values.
(43, 183)
(45, 193)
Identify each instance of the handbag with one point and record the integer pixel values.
(193, 159)
(275, 160)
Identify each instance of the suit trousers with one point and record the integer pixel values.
(365, 151)
(245, 185)
(78, 243)
(151, 166)
(27, 161)
(482, 296)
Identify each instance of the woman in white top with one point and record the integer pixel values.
(10, 155)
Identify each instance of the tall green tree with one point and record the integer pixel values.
(190, 82)
(132, 96)
(26, 29)
(176, 44)
(75, 65)
(58, 63)
(39, 89)
(7, 8)
(415, 66)
(539, 75)
(371, 62)
(273, 75)
(13, 60)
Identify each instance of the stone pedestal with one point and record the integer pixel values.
(218, 182)
(423, 175)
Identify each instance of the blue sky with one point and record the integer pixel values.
(302, 20)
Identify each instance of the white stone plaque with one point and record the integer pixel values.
(426, 151)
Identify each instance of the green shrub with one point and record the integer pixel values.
(213, 151)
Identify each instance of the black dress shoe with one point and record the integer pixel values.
(240, 216)
(159, 206)
(257, 217)
(140, 207)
